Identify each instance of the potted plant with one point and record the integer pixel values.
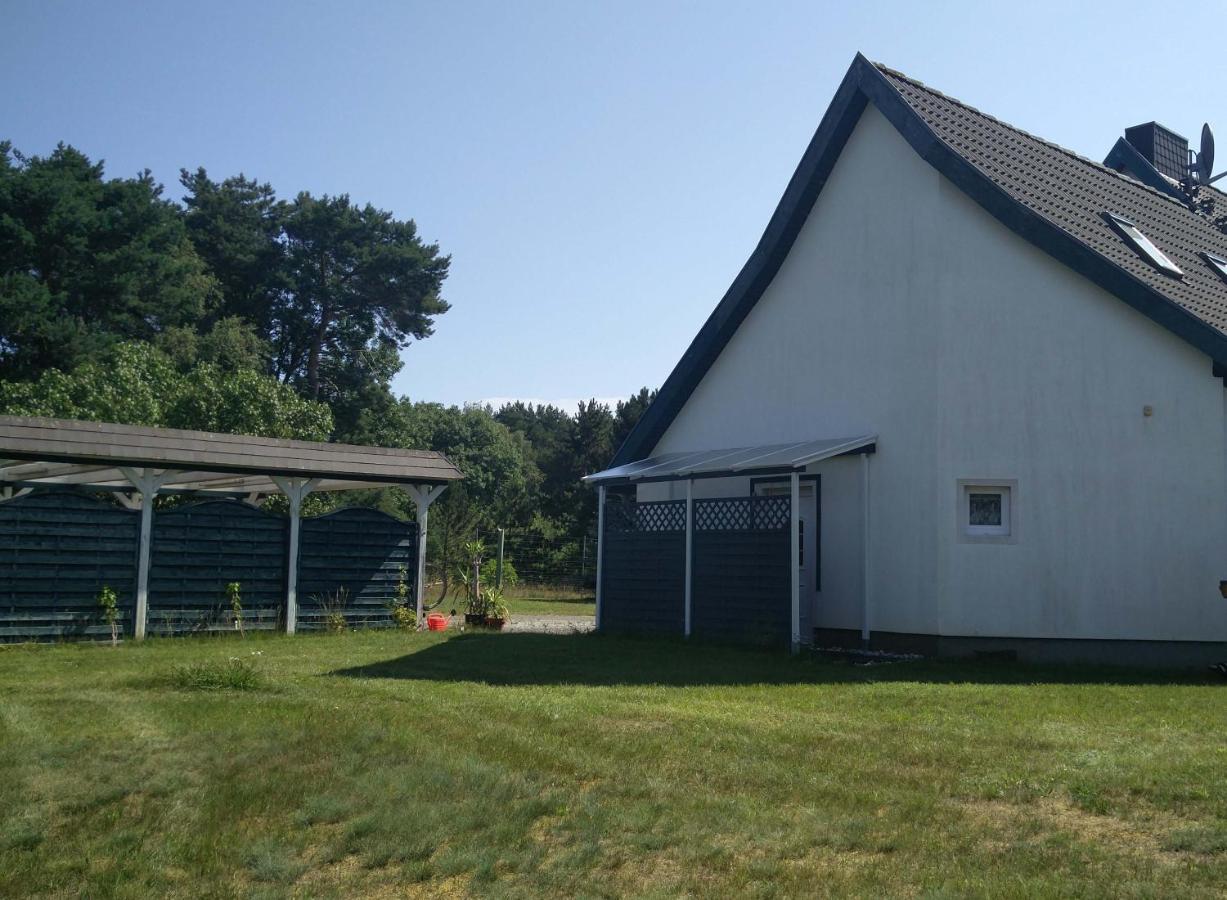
(470, 579)
(496, 609)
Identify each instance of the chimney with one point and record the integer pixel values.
(1164, 149)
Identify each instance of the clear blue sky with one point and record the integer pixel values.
(598, 172)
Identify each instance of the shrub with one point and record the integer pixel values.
(489, 572)
(109, 603)
(234, 593)
(333, 606)
(235, 674)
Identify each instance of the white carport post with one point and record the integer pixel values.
(295, 490)
(423, 495)
(866, 611)
(147, 482)
(689, 548)
(600, 548)
(794, 545)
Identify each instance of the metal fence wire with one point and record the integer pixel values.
(531, 558)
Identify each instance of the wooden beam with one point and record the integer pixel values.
(795, 556)
(423, 495)
(600, 548)
(689, 551)
(295, 490)
(147, 482)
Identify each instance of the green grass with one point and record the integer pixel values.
(393, 764)
(544, 606)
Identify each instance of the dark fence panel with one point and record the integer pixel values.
(742, 560)
(362, 551)
(198, 550)
(57, 551)
(643, 571)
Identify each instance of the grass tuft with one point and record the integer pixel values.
(233, 674)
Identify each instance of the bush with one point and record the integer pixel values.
(235, 674)
(489, 573)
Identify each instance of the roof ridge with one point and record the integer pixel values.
(915, 82)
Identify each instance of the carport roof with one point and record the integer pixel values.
(38, 451)
(766, 459)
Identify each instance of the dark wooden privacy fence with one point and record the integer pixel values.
(363, 552)
(643, 571)
(57, 549)
(198, 550)
(741, 561)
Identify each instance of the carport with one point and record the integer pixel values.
(138, 464)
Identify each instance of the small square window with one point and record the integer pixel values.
(986, 511)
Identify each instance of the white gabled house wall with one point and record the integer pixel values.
(905, 310)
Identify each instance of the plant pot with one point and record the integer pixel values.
(496, 624)
(472, 619)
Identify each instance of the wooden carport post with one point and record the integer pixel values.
(600, 549)
(423, 495)
(147, 482)
(795, 571)
(689, 551)
(295, 490)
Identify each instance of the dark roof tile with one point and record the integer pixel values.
(1073, 192)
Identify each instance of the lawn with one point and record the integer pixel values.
(391, 764)
(547, 606)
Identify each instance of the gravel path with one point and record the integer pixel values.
(551, 625)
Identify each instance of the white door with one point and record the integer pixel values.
(807, 544)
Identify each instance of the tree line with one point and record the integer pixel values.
(237, 310)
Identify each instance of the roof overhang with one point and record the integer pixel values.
(37, 452)
(767, 459)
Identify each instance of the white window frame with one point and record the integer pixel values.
(1007, 531)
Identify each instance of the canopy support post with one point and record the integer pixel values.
(867, 605)
(423, 495)
(600, 548)
(689, 550)
(795, 555)
(146, 482)
(295, 490)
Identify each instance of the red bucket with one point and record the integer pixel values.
(436, 622)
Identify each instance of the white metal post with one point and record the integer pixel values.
(295, 490)
(600, 548)
(147, 482)
(867, 606)
(689, 548)
(423, 495)
(795, 509)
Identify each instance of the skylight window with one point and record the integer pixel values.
(1142, 245)
(1217, 263)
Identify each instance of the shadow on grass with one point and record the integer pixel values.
(592, 659)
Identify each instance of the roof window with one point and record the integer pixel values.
(1217, 263)
(1142, 244)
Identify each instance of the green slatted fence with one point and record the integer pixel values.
(57, 550)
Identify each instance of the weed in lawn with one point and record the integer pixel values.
(1206, 840)
(271, 861)
(234, 674)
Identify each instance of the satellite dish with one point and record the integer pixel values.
(1205, 159)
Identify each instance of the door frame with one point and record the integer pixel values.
(816, 479)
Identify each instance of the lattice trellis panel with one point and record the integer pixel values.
(742, 514)
(667, 515)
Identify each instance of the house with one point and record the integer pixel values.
(980, 378)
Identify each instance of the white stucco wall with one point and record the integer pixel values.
(907, 311)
